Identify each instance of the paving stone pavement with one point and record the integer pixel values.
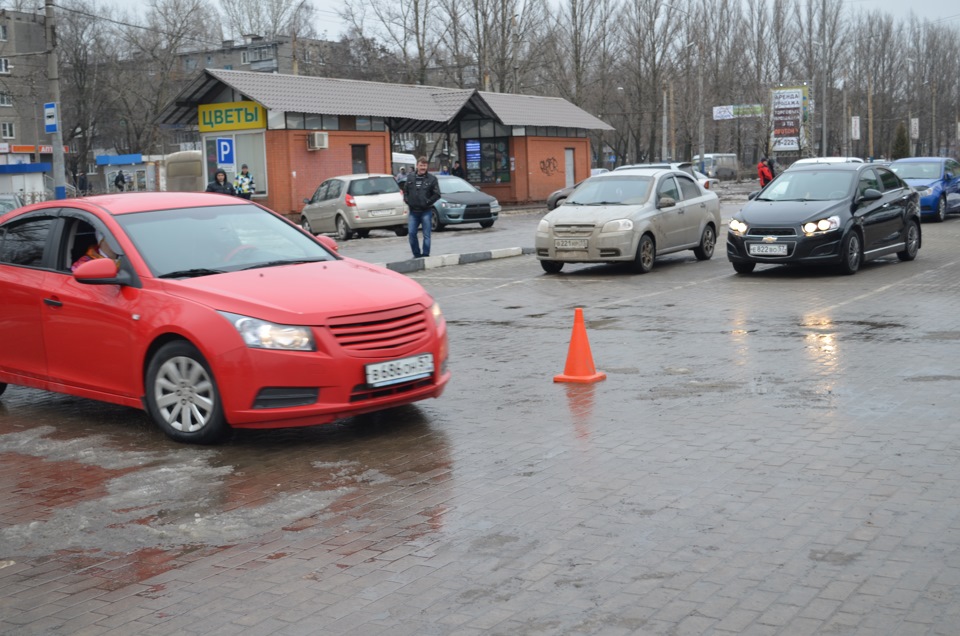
(770, 454)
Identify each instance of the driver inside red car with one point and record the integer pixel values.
(100, 249)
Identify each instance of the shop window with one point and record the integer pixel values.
(295, 121)
(488, 160)
(248, 148)
(363, 123)
(377, 124)
(331, 122)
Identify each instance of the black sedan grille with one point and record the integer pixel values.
(477, 211)
(772, 231)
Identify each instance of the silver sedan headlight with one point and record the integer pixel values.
(620, 225)
(260, 334)
(543, 226)
(494, 206)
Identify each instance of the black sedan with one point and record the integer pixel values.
(838, 214)
(460, 202)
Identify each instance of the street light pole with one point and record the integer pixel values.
(53, 78)
(700, 102)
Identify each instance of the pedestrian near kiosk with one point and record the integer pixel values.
(421, 192)
(220, 183)
(120, 182)
(243, 183)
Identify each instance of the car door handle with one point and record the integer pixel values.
(53, 302)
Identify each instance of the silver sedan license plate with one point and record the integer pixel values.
(768, 249)
(381, 213)
(402, 370)
(571, 244)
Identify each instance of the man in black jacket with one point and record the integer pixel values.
(421, 192)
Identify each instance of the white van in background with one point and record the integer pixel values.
(403, 160)
(718, 165)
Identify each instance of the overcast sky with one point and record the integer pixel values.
(934, 10)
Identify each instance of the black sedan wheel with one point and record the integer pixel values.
(486, 224)
(646, 255)
(363, 233)
(551, 267)
(941, 209)
(708, 241)
(744, 268)
(850, 253)
(401, 230)
(912, 233)
(182, 395)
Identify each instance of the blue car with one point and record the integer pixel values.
(460, 202)
(936, 179)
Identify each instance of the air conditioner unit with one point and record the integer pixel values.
(317, 141)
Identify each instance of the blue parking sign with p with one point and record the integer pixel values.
(225, 151)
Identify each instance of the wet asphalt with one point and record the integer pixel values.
(769, 454)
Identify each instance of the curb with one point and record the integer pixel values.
(444, 260)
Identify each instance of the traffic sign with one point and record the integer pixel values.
(50, 120)
(225, 151)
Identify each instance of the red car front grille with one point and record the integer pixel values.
(381, 331)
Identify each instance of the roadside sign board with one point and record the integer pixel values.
(50, 119)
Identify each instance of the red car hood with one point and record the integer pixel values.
(302, 294)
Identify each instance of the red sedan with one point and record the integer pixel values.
(209, 312)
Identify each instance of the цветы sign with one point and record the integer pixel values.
(231, 116)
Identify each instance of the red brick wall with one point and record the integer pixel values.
(540, 168)
(293, 172)
(546, 169)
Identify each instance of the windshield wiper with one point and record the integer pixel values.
(286, 261)
(605, 203)
(192, 273)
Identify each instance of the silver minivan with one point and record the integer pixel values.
(355, 204)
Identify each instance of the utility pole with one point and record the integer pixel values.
(823, 92)
(870, 116)
(516, 45)
(664, 150)
(53, 78)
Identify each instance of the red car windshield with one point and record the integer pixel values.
(209, 240)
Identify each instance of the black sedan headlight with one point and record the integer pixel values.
(821, 226)
(738, 227)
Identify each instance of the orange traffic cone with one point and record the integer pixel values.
(579, 359)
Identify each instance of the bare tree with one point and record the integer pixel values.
(87, 61)
(148, 75)
(268, 18)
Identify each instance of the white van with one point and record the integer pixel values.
(718, 165)
(403, 160)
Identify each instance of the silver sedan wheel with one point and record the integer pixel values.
(184, 394)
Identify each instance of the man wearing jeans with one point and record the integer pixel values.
(421, 192)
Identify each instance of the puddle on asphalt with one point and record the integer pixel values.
(126, 512)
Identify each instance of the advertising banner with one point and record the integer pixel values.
(788, 106)
(855, 128)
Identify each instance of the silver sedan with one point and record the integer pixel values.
(630, 216)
